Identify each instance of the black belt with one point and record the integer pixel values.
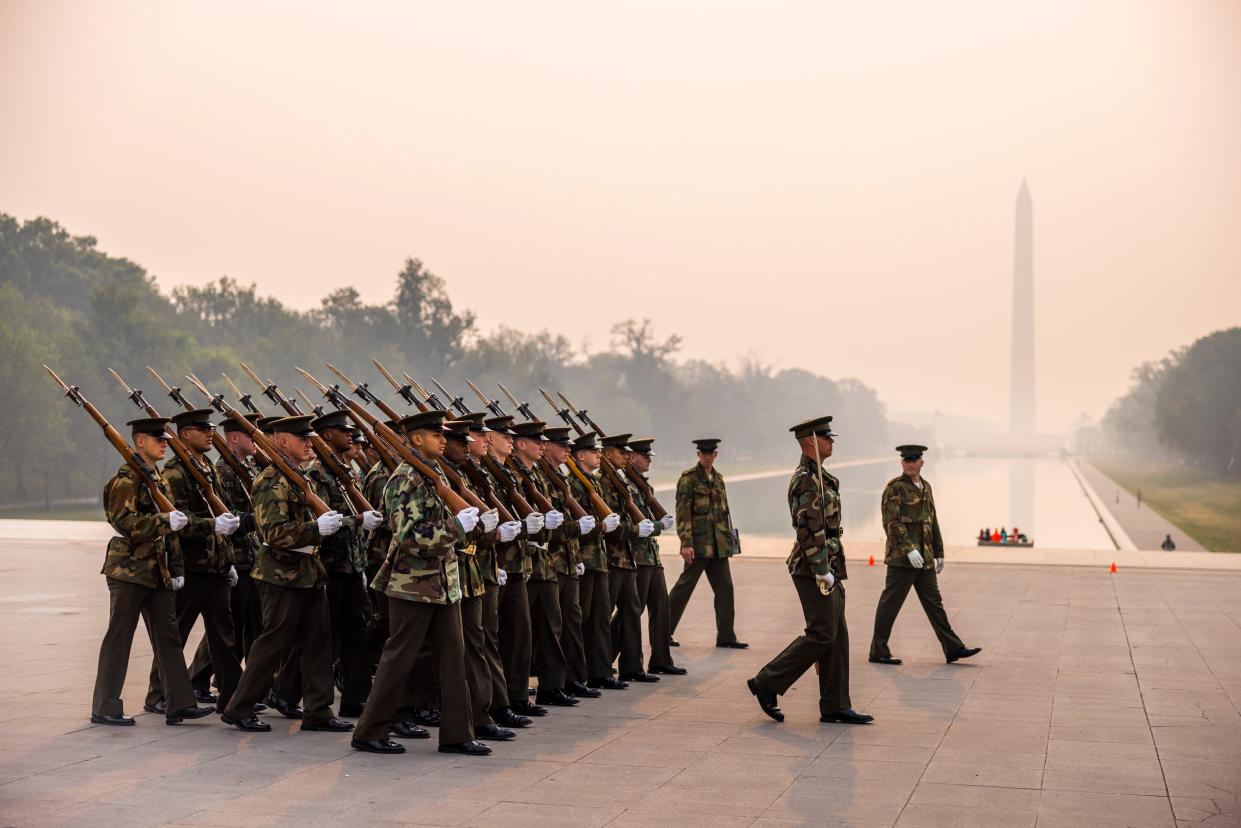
(832, 533)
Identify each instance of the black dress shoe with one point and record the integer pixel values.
(607, 683)
(377, 745)
(672, 642)
(556, 698)
(884, 660)
(158, 707)
(766, 700)
(206, 696)
(430, 717)
(118, 719)
(848, 716)
(259, 707)
(332, 725)
(494, 733)
(353, 711)
(289, 711)
(670, 670)
(528, 709)
(505, 716)
(192, 712)
(251, 724)
(733, 645)
(964, 652)
(642, 677)
(409, 730)
(576, 688)
(471, 748)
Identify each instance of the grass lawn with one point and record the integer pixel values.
(1205, 504)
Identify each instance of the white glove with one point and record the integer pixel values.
(372, 520)
(534, 523)
(915, 558)
(501, 577)
(226, 524)
(645, 528)
(509, 530)
(330, 522)
(666, 522)
(939, 565)
(580, 569)
(586, 524)
(468, 518)
(553, 519)
(179, 580)
(610, 523)
(828, 579)
(232, 576)
(490, 519)
(177, 520)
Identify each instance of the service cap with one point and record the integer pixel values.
(557, 434)
(641, 445)
(198, 418)
(532, 430)
(911, 451)
(265, 424)
(502, 425)
(153, 426)
(707, 444)
(332, 419)
(616, 441)
(586, 442)
(458, 430)
(299, 426)
(821, 426)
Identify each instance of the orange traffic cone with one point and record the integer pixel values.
(1113, 566)
(872, 561)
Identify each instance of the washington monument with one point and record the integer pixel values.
(1021, 375)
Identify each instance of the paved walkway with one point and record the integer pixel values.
(1143, 525)
(1099, 700)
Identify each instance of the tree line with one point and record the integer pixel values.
(66, 303)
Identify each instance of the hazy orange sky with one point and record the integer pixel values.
(818, 185)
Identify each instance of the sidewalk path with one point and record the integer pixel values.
(1145, 526)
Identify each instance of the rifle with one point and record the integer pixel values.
(549, 471)
(602, 509)
(277, 458)
(217, 442)
(657, 510)
(245, 400)
(385, 456)
(215, 505)
(402, 448)
(139, 467)
(609, 470)
(342, 473)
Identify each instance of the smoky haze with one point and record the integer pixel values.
(820, 186)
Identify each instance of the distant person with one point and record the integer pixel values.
(982, 535)
(915, 557)
(995, 536)
(1003, 535)
(1139, 498)
(1167, 545)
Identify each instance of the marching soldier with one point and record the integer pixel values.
(652, 588)
(376, 550)
(343, 556)
(817, 564)
(293, 585)
(914, 558)
(626, 623)
(208, 560)
(704, 524)
(421, 577)
(143, 568)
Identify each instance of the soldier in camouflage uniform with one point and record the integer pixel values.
(376, 550)
(344, 557)
(208, 556)
(422, 579)
(293, 585)
(566, 558)
(596, 597)
(626, 622)
(704, 524)
(143, 568)
(912, 527)
(652, 588)
(817, 564)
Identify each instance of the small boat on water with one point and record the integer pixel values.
(1020, 544)
(1003, 537)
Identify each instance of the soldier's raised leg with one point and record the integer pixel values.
(896, 587)
(683, 590)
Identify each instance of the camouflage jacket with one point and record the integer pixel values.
(245, 541)
(816, 522)
(202, 549)
(564, 546)
(289, 556)
(343, 550)
(422, 561)
(377, 543)
(702, 517)
(145, 550)
(542, 565)
(620, 542)
(513, 557)
(482, 484)
(592, 548)
(645, 550)
(910, 523)
(469, 565)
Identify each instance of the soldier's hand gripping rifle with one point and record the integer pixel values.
(358, 503)
(217, 442)
(140, 469)
(609, 470)
(601, 507)
(454, 501)
(214, 503)
(549, 471)
(277, 458)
